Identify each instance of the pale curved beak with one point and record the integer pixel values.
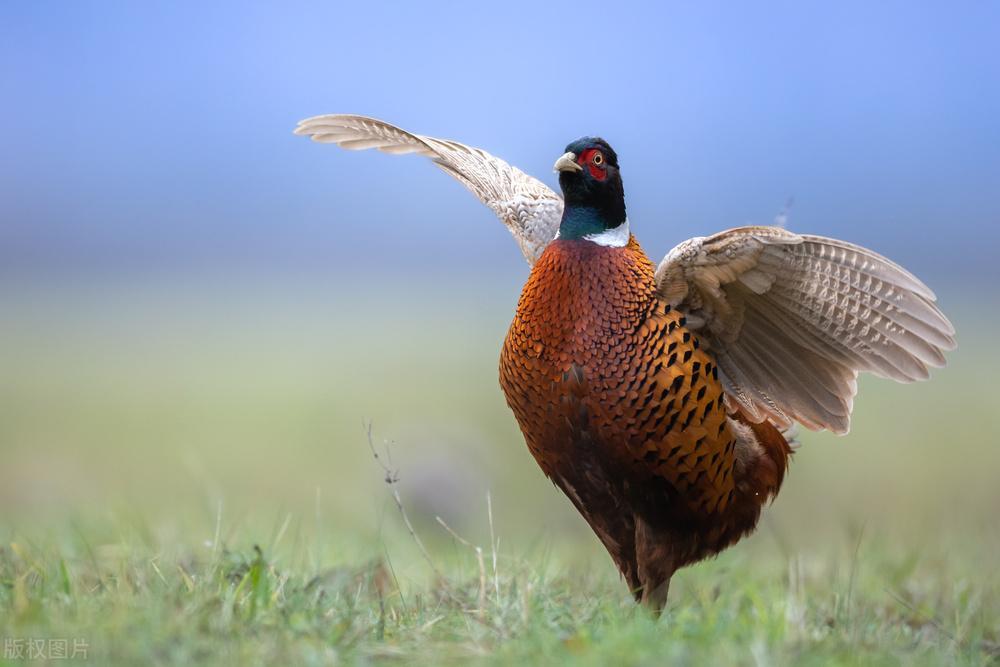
(567, 163)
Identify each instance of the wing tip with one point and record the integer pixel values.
(304, 126)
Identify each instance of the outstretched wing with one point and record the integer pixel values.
(792, 319)
(528, 207)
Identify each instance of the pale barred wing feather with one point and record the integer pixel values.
(792, 319)
(528, 207)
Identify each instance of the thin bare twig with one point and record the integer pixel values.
(853, 572)
(494, 547)
(479, 559)
(391, 477)
(218, 531)
(318, 542)
(395, 579)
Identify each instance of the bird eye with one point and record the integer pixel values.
(598, 159)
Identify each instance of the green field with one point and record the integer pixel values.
(186, 479)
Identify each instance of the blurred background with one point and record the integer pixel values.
(198, 309)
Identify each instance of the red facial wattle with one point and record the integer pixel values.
(597, 170)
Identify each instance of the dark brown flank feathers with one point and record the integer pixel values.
(624, 411)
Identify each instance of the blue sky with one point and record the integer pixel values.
(157, 135)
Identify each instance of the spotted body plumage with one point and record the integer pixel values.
(623, 409)
(589, 326)
(657, 400)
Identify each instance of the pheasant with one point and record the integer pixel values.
(658, 398)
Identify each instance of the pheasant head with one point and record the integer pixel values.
(592, 189)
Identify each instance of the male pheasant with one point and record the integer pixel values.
(656, 398)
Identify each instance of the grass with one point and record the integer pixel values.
(136, 604)
(186, 480)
